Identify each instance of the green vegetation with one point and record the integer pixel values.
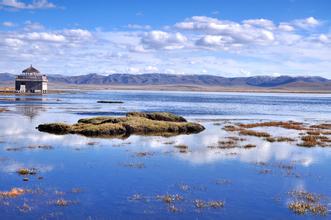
(158, 123)
(26, 171)
(159, 116)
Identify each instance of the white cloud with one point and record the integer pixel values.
(285, 27)
(8, 24)
(35, 4)
(139, 27)
(78, 34)
(195, 45)
(137, 49)
(33, 26)
(323, 38)
(151, 69)
(139, 13)
(214, 41)
(265, 23)
(306, 23)
(163, 40)
(44, 36)
(250, 31)
(11, 42)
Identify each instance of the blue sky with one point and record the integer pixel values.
(219, 37)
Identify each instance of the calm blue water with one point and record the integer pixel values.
(108, 172)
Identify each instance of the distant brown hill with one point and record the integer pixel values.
(314, 83)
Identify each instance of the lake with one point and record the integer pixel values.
(81, 177)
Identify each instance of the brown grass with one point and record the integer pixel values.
(314, 132)
(287, 125)
(279, 139)
(322, 126)
(230, 128)
(170, 198)
(3, 110)
(247, 146)
(305, 202)
(227, 144)
(14, 192)
(314, 140)
(254, 133)
(181, 146)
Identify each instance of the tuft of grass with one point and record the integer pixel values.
(314, 132)
(305, 202)
(247, 146)
(14, 192)
(158, 116)
(314, 140)
(279, 139)
(26, 171)
(181, 146)
(288, 125)
(230, 128)
(227, 144)
(3, 110)
(200, 204)
(61, 202)
(254, 133)
(157, 124)
(216, 204)
(322, 126)
(170, 198)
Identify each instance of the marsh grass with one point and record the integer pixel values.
(14, 192)
(315, 140)
(230, 128)
(200, 204)
(156, 124)
(322, 126)
(182, 148)
(3, 110)
(144, 154)
(254, 133)
(27, 171)
(30, 147)
(311, 135)
(135, 165)
(248, 146)
(286, 125)
(279, 139)
(306, 202)
(168, 198)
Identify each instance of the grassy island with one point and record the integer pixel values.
(157, 124)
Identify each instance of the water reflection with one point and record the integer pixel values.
(199, 144)
(30, 111)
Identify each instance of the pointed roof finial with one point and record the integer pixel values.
(31, 70)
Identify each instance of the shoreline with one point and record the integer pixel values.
(73, 88)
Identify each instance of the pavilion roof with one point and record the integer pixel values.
(30, 70)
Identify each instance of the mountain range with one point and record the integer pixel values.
(172, 79)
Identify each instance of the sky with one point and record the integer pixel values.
(227, 38)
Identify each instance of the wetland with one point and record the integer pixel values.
(208, 156)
